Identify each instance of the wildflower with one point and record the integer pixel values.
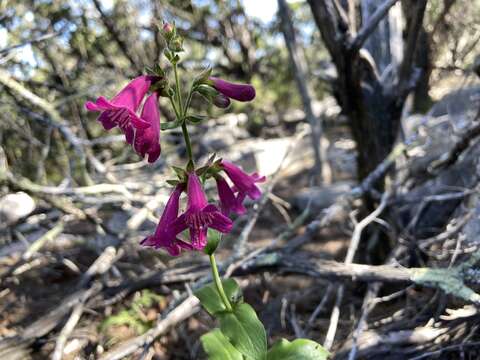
(240, 92)
(244, 183)
(147, 140)
(228, 201)
(200, 215)
(121, 110)
(166, 235)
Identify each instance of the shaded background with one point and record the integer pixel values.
(330, 107)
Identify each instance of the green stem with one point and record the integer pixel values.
(187, 103)
(182, 112)
(179, 94)
(174, 107)
(187, 142)
(218, 283)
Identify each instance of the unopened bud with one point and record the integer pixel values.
(176, 44)
(167, 27)
(221, 101)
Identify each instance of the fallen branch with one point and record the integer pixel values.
(186, 309)
(11, 347)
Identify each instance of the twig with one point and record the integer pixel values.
(183, 311)
(451, 157)
(357, 233)
(54, 316)
(29, 42)
(240, 247)
(68, 328)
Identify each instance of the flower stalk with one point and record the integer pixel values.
(182, 113)
(218, 283)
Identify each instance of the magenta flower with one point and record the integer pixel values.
(240, 92)
(166, 235)
(121, 110)
(228, 201)
(147, 141)
(200, 215)
(244, 183)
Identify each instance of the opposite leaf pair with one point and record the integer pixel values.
(241, 334)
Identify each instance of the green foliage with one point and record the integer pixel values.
(242, 335)
(245, 331)
(240, 327)
(217, 346)
(299, 349)
(134, 317)
(211, 300)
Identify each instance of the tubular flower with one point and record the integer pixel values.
(244, 183)
(228, 201)
(121, 110)
(240, 92)
(147, 141)
(200, 215)
(166, 235)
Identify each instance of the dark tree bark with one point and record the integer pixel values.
(371, 100)
(299, 66)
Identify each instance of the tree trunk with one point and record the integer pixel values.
(299, 66)
(371, 86)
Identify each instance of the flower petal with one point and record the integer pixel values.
(132, 94)
(240, 92)
(147, 141)
(196, 197)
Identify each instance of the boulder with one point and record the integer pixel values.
(15, 206)
(320, 197)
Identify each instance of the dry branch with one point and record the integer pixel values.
(183, 311)
(368, 28)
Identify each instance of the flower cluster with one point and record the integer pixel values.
(142, 131)
(135, 110)
(200, 215)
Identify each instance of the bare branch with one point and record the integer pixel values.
(370, 26)
(409, 55)
(186, 309)
(40, 38)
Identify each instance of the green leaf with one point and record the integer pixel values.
(214, 238)
(170, 125)
(245, 331)
(299, 349)
(212, 302)
(181, 173)
(217, 346)
(203, 76)
(173, 182)
(190, 166)
(195, 119)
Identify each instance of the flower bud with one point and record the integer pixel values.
(221, 101)
(176, 44)
(207, 91)
(167, 27)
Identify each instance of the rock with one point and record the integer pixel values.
(321, 197)
(15, 206)
(434, 216)
(117, 223)
(472, 227)
(228, 131)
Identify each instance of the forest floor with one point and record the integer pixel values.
(76, 283)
